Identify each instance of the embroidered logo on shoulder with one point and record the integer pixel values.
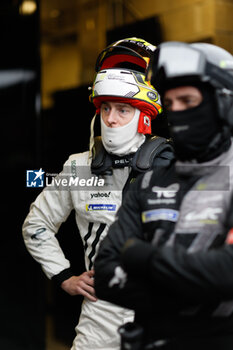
(166, 192)
(100, 207)
(160, 214)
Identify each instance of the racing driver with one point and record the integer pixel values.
(126, 103)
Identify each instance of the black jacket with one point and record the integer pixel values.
(166, 255)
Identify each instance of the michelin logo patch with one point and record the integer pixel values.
(98, 207)
(160, 214)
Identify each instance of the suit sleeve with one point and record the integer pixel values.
(50, 209)
(196, 277)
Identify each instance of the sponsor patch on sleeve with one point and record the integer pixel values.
(160, 214)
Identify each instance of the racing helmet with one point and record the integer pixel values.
(195, 63)
(129, 52)
(120, 77)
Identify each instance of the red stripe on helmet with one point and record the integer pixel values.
(115, 60)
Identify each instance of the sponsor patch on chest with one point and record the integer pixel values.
(100, 207)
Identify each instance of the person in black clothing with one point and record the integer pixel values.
(169, 254)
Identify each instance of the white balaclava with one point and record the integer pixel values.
(124, 139)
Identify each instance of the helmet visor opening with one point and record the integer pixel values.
(124, 61)
(129, 54)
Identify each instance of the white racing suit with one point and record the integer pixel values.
(95, 208)
(95, 199)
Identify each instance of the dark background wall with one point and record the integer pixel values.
(22, 294)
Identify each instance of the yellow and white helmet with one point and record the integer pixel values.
(120, 77)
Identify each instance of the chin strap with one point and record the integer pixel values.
(92, 139)
(141, 161)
